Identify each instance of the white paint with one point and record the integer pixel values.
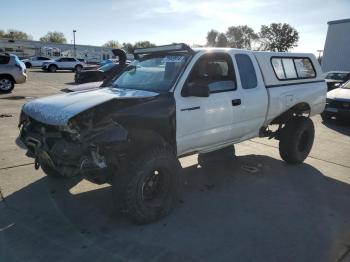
(217, 123)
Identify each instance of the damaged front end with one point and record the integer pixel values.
(88, 142)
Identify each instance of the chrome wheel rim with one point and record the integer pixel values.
(5, 84)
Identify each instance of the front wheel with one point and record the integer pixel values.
(28, 65)
(325, 116)
(296, 139)
(147, 190)
(52, 68)
(49, 169)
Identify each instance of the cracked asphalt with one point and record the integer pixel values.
(252, 208)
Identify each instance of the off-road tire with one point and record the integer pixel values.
(52, 68)
(7, 84)
(28, 65)
(226, 153)
(129, 185)
(49, 170)
(296, 139)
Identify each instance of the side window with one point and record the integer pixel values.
(246, 71)
(278, 68)
(71, 60)
(287, 68)
(215, 71)
(60, 60)
(4, 59)
(304, 68)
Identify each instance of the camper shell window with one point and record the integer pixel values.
(293, 68)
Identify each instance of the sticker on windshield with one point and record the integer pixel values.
(173, 59)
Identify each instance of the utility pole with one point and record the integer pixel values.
(319, 55)
(75, 52)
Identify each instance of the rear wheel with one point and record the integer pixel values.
(147, 190)
(296, 139)
(28, 65)
(52, 68)
(6, 84)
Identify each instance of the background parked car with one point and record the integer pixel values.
(63, 63)
(12, 71)
(36, 61)
(338, 103)
(334, 79)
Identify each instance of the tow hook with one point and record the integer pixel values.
(36, 163)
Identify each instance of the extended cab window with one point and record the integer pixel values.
(287, 68)
(246, 71)
(215, 71)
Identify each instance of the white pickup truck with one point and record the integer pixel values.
(169, 102)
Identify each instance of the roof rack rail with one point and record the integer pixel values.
(164, 48)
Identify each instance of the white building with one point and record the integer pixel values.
(336, 54)
(28, 48)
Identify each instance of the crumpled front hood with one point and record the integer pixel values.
(58, 109)
(339, 94)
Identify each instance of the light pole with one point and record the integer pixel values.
(75, 53)
(319, 55)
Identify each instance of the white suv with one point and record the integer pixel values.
(63, 63)
(36, 61)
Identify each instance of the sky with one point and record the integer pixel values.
(168, 21)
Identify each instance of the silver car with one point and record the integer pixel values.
(12, 71)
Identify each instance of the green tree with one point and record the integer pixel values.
(211, 37)
(17, 35)
(2, 33)
(128, 47)
(112, 44)
(278, 37)
(241, 36)
(54, 37)
(221, 40)
(143, 44)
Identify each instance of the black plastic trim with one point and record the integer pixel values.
(222, 91)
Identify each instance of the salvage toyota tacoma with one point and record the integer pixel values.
(173, 101)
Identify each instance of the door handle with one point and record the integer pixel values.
(236, 102)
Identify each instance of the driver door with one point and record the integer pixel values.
(206, 122)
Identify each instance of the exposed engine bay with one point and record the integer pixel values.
(84, 144)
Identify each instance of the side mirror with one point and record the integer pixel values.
(195, 89)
